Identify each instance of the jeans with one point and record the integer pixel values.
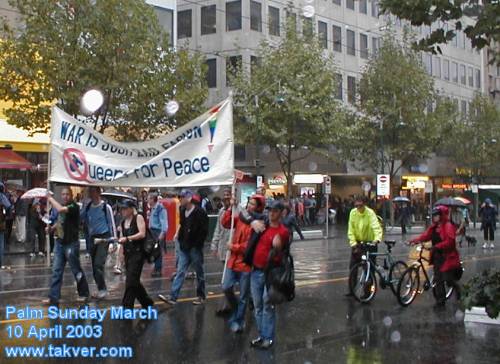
(134, 261)
(67, 253)
(238, 306)
(99, 253)
(265, 312)
(158, 262)
(192, 256)
(2, 246)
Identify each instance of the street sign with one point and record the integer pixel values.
(474, 188)
(366, 186)
(260, 181)
(328, 185)
(429, 187)
(383, 185)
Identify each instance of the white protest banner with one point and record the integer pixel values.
(200, 153)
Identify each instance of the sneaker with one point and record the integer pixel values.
(3, 267)
(492, 246)
(485, 246)
(235, 328)
(266, 344)
(198, 301)
(256, 342)
(32, 255)
(87, 256)
(117, 270)
(41, 254)
(100, 294)
(52, 255)
(168, 299)
(49, 302)
(191, 275)
(82, 299)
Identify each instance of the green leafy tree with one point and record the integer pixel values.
(482, 33)
(288, 99)
(64, 48)
(390, 128)
(473, 141)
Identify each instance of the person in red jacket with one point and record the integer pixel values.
(237, 271)
(444, 253)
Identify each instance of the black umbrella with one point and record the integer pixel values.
(401, 199)
(118, 194)
(449, 201)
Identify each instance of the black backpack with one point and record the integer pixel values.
(280, 279)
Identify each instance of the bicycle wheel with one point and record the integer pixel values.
(408, 286)
(395, 273)
(362, 282)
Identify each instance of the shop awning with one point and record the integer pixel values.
(21, 141)
(11, 160)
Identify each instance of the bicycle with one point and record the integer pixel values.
(409, 285)
(363, 275)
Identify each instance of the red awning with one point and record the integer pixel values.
(11, 160)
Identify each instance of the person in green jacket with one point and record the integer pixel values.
(364, 226)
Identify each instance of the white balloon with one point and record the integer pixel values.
(308, 11)
(171, 107)
(92, 100)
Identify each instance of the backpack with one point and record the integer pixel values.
(151, 246)
(209, 208)
(280, 279)
(104, 210)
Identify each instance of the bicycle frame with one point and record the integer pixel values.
(420, 266)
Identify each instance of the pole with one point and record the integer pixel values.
(231, 233)
(327, 215)
(257, 137)
(47, 236)
(382, 168)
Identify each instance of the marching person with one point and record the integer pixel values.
(5, 206)
(98, 216)
(132, 235)
(275, 237)
(363, 226)
(158, 225)
(192, 233)
(67, 247)
(290, 221)
(237, 271)
(219, 244)
(444, 253)
(488, 213)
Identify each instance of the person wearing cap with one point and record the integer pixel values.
(363, 227)
(192, 233)
(488, 213)
(99, 218)
(444, 253)
(66, 248)
(132, 235)
(158, 225)
(275, 237)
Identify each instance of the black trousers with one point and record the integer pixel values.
(134, 261)
(440, 279)
(489, 232)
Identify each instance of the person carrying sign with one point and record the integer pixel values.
(98, 215)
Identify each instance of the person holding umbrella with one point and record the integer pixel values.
(488, 213)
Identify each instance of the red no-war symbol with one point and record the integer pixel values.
(76, 164)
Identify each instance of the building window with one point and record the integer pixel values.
(349, 4)
(351, 89)
(339, 94)
(240, 154)
(166, 20)
(254, 63)
(291, 18)
(274, 21)
(233, 65)
(470, 71)
(463, 107)
(307, 27)
(208, 20)
(184, 25)
(337, 2)
(233, 15)
(375, 45)
(337, 38)
(446, 69)
(478, 78)
(351, 42)
(427, 58)
(256, 16)
(463, 79)
(454, 72)
(363, 45)
(363, 6)
(212, 73)
(323, 34)
(375, 10)
(436, 67)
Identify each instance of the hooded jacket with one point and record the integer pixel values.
(363, 226)
(447, 245)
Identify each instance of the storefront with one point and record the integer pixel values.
(414, 187)
(308, 184)
(276, 185)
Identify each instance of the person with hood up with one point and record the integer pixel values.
(488, 213)
(444, 253)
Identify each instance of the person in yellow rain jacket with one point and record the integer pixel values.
(364, 226)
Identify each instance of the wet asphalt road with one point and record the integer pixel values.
(319, 326)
